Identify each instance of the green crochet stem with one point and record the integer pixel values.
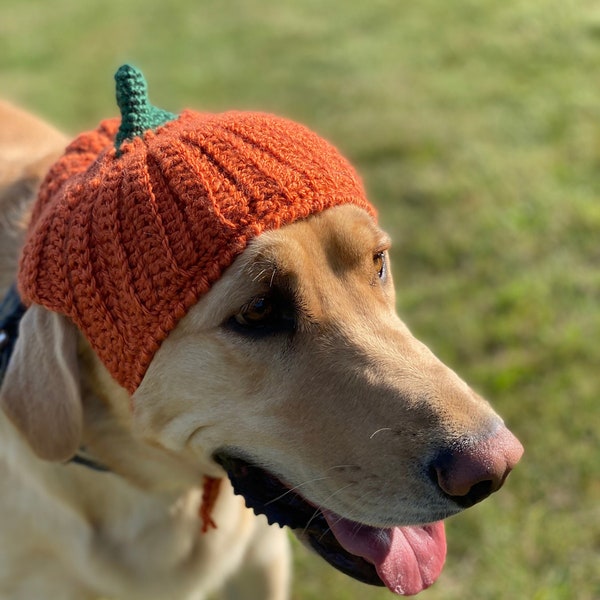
(137, 114)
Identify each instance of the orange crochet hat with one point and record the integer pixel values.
(138, 218)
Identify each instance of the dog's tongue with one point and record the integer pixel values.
(407, 559)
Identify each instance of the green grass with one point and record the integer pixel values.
(476, 126)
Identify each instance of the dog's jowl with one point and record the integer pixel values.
(200, 346)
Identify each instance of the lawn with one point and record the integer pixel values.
(476, 127)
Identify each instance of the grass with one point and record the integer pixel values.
(476, 126)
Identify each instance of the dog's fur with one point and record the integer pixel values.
(350, 410)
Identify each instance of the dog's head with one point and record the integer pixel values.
(298, 377)
(295, 376)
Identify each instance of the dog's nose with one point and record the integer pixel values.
(472, 471)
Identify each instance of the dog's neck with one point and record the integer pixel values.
(108, 434)
(107, 419)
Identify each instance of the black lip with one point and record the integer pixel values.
(265, 494)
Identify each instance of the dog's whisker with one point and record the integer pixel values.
(325, 532)
(294, 489)
(328, 529)
(379, 431)
(342, 467)
(356, 526)
(258, 275)
(319, 508)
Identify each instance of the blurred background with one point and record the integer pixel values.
(476, 127)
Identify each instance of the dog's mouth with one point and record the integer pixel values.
(404, 559)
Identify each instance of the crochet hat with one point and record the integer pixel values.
(139, 217)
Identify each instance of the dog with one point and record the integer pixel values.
(289, 394)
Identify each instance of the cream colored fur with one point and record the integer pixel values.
(344, 412)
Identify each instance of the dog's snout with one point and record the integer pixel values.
(471, 472)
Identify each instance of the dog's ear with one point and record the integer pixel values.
(41, 392)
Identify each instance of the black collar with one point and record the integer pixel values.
(83, 458)
(11, 313)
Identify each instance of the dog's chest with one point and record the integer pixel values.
(112, 539)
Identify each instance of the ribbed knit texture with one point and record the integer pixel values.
(124, 242)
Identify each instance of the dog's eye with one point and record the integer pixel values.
(379, 264)
(255, 312)
(264, 315)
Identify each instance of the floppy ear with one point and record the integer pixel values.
(41, 393)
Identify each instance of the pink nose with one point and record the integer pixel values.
(470, 473)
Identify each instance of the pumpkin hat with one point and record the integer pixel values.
(140, 216)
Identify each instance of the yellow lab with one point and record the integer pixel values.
(206, 325)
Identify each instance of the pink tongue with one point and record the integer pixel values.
(407, 559)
